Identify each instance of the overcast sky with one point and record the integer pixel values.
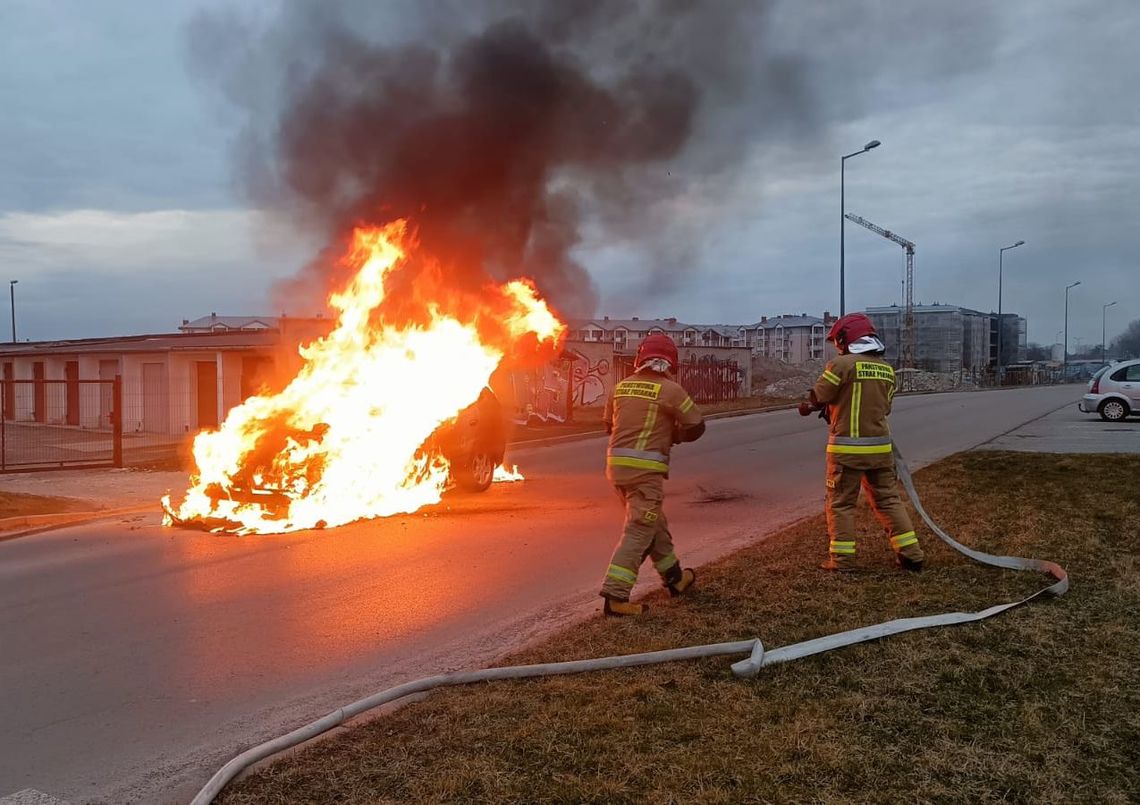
(119, 214)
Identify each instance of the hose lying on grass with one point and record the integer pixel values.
(757, 658)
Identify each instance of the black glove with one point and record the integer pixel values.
(824, 414)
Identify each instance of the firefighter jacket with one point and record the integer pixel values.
(645, 415)
(858, 390)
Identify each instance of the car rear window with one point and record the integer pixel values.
(1128, 373)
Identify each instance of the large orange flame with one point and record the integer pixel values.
(343, 440)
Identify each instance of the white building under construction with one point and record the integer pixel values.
(949, 338)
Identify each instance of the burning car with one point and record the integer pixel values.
(386, 411)
(474, 443)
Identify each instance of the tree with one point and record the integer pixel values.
(1038, 352)
(1127, 344)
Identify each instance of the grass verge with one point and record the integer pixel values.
(18, 504)
(1040, 704)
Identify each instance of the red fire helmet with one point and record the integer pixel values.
(850, 328)
(657, 345)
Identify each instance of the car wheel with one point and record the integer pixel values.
(479, 472)
(1113, 410)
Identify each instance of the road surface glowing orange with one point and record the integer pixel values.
(344, 440)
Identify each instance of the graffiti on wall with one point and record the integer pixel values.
(541, 393)
(590, 381)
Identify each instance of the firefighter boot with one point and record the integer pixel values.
(910, 558)
(678, 579)
(838, 563)
(621, 608)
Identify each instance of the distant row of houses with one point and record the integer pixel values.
(788, 338)
(948, 338)
(177, 383)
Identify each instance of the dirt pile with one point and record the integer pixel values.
(774, 378)
(791, 388)
(935, 381)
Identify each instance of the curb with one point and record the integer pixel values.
(25, 525)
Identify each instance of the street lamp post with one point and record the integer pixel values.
(1001, 254)
(1103, 317)
(12, 294)
(843, 220)
(1065, 347)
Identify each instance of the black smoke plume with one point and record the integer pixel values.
(500, 130)
(510, 133)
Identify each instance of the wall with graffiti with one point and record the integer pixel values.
(716, 373)
(592, 372)
(540, 394)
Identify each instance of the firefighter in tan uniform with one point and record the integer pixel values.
(855, 392)
(645, 416)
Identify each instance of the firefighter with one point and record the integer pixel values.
(854, 394)
(646, 414)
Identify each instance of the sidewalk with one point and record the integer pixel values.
(101, 489)
(1068, 430)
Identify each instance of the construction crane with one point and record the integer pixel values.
(906, 354)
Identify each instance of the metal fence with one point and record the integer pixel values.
(712, 381)
(55, 423)
(71, 423)
(707, 380)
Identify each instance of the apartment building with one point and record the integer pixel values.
(950, 338)
(789, 338)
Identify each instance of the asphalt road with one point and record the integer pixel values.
(136, 659)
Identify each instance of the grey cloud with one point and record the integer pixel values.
(97, 111)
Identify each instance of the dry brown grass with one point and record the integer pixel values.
(1041, 704)
(18, 504)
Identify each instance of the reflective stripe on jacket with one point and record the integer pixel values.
(858, 390)
(641, 415)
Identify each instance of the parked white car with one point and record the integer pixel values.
(1114, 392)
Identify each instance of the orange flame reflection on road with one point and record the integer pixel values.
(342, 442)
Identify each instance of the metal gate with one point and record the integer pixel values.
(50, 424)
(707, 379)
(712, 381)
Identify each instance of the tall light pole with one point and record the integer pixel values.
(1001, 254)
(843, 220)
(12, 293)
(1065, 347)
(1103, 317)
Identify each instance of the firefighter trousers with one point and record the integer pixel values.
(646, 535)
(843, 485)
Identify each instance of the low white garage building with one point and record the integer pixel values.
(171, 384)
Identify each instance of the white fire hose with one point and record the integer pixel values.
(747, 668)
